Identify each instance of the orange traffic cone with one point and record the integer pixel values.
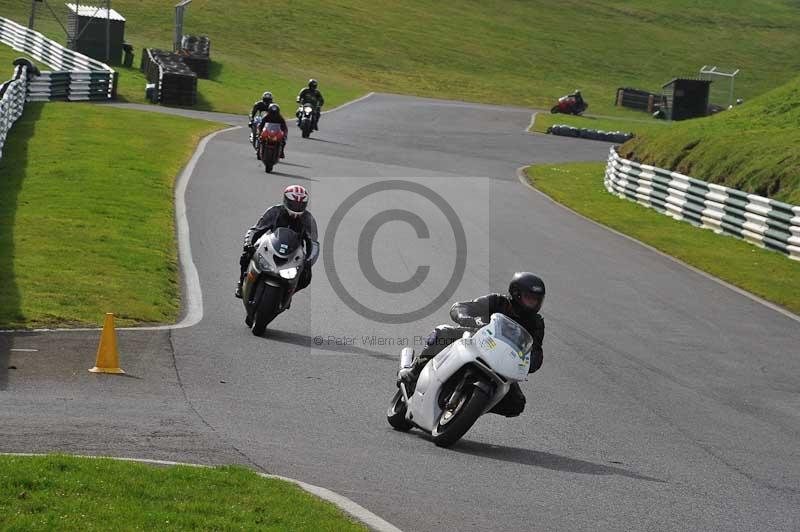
(107, 353)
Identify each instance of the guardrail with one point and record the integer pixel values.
(12, 100)
(75, 77)
(759, 220)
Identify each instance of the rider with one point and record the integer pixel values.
(293, 214)
(274, 116)
(579, 103)
(313, 96)
(526, 295)
(261, 106)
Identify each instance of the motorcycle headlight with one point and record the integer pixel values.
(288, 273)
(263, 263)
(308, 109)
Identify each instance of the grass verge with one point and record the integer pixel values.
(87, 215)
(67, 493)
(767, 274)
(518, 52)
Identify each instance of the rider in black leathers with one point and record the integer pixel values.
(291, 213)
(313, 96)
(262, 105)
(526, 295)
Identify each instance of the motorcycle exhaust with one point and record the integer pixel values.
(406, 358)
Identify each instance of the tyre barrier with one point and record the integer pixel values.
(593, 134)
(170, 81)
(13, 94)
(759, 220)
(196, 53)
(75, 77)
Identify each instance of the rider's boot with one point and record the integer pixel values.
(238, 292)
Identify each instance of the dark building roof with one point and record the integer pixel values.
(691, 80)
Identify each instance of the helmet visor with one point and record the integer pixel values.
(531, 301)
(295, 207)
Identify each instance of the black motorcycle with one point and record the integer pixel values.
(272, 277)
(306, 118)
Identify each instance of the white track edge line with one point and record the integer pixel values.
(787, 313)
(348, 506)
(351, 102)
(194, 293)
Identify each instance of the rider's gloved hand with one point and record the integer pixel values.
(407, 375)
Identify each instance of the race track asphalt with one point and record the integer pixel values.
(666, 401)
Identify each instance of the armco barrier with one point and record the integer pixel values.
(75, 76)
(12, 100)
(762, 221)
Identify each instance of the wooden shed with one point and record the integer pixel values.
(685, 98)
(87, 32)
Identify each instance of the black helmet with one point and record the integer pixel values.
(312, 84)
(527, 292)
(266, 97)
(273, 108)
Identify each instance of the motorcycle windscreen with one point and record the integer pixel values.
(506, 346)
(284, 242)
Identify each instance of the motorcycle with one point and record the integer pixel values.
(254, 129)
(270, 145)
(272, 277)
(463, 382)
(569, 105)
(305, 119)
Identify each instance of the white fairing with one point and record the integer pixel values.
(264, 259)
(496, 348)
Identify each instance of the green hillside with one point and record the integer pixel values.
(513, 51)
(755, 147)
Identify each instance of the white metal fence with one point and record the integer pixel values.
(12, 100)
(74, 77)
(762, 221)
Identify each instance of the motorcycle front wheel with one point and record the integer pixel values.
(266, 311)
(268, 157)
(455, 422)
(396, 414)
(554, 109)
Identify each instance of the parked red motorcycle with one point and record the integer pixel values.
(572, 104)
(270, 145)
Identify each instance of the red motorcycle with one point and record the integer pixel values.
(570, 105)
(270, 145)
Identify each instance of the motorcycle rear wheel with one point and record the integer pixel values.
(471, 406)
(396, 414)
(265, 312)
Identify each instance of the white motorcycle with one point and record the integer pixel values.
(463, 382)
(272, 277)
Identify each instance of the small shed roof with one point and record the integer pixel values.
(693, 80)
(95, 12)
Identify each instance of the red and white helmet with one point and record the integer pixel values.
(295, 199)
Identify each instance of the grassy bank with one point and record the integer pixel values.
(754, 147)
(767, 274)
(524, 53)
(66, 493)
(87, 216)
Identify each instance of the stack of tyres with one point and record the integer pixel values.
(585, 133)
(175, 82)
(196, 53)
